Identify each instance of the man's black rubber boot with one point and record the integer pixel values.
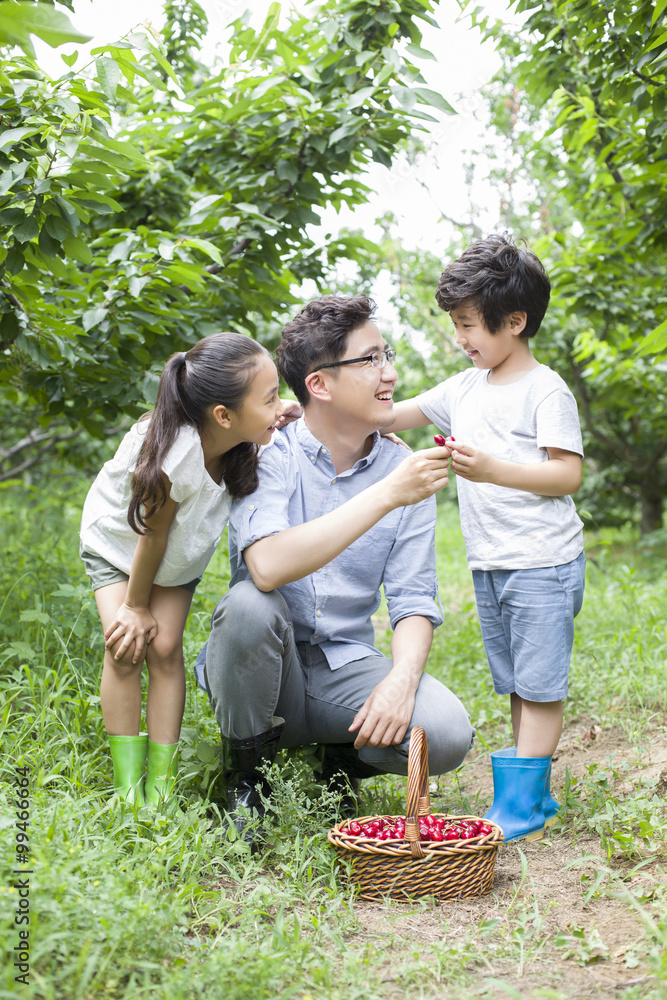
(246, 784)
(342, 770)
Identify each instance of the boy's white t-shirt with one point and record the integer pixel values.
(201, 515)
(506, 528)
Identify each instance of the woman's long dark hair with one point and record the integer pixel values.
(217, 370)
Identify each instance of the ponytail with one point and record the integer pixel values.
(217, 370)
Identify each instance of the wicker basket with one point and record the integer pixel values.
(401, 869)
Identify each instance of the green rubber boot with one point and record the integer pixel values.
(128, 754)
(161, 770)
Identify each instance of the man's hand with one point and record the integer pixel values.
(472, 464)
(291, 411)
(384, 717)
(131, 625)
(418, 477)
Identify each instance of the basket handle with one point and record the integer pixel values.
(418, 799)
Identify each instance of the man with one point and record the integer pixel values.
(339, 512)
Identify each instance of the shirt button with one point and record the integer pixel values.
(251, 506)
(312, 458)
(319, 613)
(333, 481)
(324, 451)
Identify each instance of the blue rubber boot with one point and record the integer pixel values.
(550, 805)
(518, 793)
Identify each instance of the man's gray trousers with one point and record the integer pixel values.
(255, 672)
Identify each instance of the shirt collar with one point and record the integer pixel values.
(314, 448)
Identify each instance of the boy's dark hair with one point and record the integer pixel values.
(499, 278)
(318, 335)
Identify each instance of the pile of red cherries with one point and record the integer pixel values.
(434, 829)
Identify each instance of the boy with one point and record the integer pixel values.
(516, 448)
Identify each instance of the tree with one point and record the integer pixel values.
(580, 106)
(146, 200)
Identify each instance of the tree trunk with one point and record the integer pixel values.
(651, 493)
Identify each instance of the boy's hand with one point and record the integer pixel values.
(472, 464)
(394, 438)
(291, 411)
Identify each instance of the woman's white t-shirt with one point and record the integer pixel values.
(201, 515)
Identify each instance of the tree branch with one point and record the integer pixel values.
(35, 438)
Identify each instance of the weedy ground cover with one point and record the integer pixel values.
(165, 906)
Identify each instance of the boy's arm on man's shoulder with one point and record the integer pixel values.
(408, 416)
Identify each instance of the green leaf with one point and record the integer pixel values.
(654, 342)
(27, 230)
(124, 147)
(15, 173)
(13, 135)
(418, 53)
(35, 616)
(108, 75)
(205, 246)
(157, 55)
(659, 41)
(287, 171)
(361, 97)
(18, 21)
(405, 96)
(9, 327)
(659, 9)
(136, 285)
(434, 100)
(93, 317)
(75, 248)
(98, 202)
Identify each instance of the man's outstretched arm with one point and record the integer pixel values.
(384, 717)
(296, 552)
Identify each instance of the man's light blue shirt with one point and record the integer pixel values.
(332, 608)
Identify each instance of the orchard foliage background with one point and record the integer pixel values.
(147, 199)
(581, 104)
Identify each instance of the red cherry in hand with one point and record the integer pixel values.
(439, 440)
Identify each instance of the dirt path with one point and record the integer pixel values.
(546, 936)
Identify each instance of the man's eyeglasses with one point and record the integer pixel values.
(378, 359)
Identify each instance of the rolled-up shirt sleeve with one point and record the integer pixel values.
(410, 580)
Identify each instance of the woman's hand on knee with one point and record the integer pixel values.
(131, 627)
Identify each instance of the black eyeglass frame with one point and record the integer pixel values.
(389, 355)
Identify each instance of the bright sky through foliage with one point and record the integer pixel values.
(416, 193)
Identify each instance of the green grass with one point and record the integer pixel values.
(124, 906)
